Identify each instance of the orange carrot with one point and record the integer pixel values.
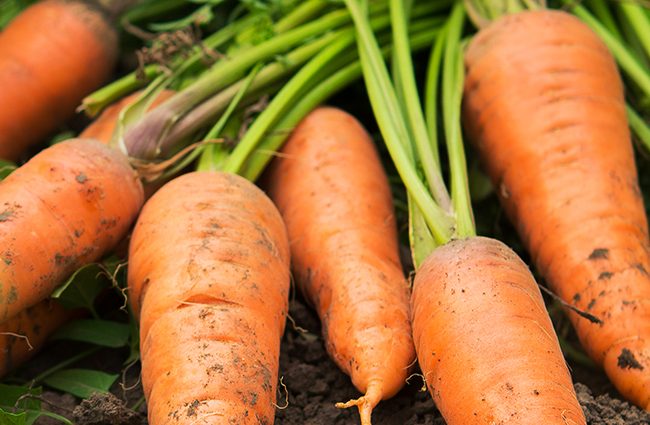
(544, 104)
(485, 343)
(68, 206)
(103, 127)
(51, 55)
(334, 196)
(24, 334)
(209, 279)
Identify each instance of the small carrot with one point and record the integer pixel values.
(51, 55)
(209, 280)
(333, 194)
(67, 206)
(544, 104)
(103, 127)
(23, 335)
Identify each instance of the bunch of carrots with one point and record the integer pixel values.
(169, 165)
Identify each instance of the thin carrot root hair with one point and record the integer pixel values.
(365, 403)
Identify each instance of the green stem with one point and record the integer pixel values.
(317, 94)
(392, 124)
(304, 12)
(452, 94)
(94, 103)
(282, 100)
(628, 63)
(143, 139)
(427, 152)
(639, 127)
(602, 11)
(638, 21)
(269, 75)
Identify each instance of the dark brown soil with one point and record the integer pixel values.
(313, 384)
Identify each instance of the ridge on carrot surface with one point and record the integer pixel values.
(553, 115)
(333, 194)
(462, 281)
(209, 280)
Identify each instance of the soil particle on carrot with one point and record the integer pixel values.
(627, 360)
(39, 234)
(545, 106)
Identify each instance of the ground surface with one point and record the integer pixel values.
(313, 383)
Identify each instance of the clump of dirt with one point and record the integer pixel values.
(605, 410)
(105, 409)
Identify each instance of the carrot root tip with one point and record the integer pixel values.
(365, 404)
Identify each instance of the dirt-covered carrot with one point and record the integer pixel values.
(22, 335)
(51, 56)
(334, 196)
(544, 104)
(209, 279)
(485, 343)
(483, 338)
(66, 207)
(103, 127)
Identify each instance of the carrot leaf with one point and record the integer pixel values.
(81, 382)
(104, 333)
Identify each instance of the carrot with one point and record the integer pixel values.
(24, 334)
(334, 196)
(68, 206)
(544, 104)
(485, 343)
(51, 55)
(103, 127)
(483, 338)
(209, 279)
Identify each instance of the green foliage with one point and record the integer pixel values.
(81, 289)
(81, 382)
(9, 9)
(104, 333)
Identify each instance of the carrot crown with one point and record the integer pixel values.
(436, 215)
(482, 12)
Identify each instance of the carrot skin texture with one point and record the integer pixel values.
(485, 342)
(332, 191)
(51, 56)
(67, 206)
(209, 279)
(544, 105)
(36, 323)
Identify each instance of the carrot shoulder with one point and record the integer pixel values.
(485, 343)
(68, 206)
(209, 279)
(51, 56)
(23, 335)
(335, 199)
(544, 104)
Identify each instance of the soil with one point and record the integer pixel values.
(311, 385)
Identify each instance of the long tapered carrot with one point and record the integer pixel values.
(544, 104)
(334, 196)
(51, 56)
(24, 334)
(68, 206)
(209, 279)
(474, 301)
